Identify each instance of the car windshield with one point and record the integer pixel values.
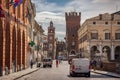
(47, 60)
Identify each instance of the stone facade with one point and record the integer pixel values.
(37, 38)
(13, 37)
(72, 25)
(101, 34)
(61, 49)
(45, 46)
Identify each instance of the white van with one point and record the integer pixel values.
(80, 66)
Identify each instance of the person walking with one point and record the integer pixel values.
(94, 64)
(56, 62)
(31, 64)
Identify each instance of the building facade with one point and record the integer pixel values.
(61, 49)
(72, 25)
(30, 15)
(101, 34)
(38, 40)
(13, 37)
(51, 41)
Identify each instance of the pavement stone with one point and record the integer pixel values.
(107, 73)
(16, 75)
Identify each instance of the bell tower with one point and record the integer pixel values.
(51, 40)
(73, 20)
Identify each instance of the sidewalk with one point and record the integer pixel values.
(16, 75)
(106, 73)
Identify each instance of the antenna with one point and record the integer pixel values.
(116, 7)
(74, 10)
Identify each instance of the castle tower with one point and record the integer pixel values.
(51, 40)
(72, 25)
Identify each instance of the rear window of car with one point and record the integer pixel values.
(47, 60)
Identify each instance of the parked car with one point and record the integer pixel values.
(80, 66)
(47, 62)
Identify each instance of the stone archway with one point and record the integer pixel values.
(23, 49)
(92, 51)
(106, 53)
(7, 46)
(72, 52)
(117, 53)
(14, 51)
(19, 56)
(1, 48)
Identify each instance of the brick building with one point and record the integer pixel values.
(61, 49)
(72, 25)
(13, 37)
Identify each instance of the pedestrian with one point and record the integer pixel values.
(91, 64)
(31, 64)
(56, 62)
(6, 70)
(101, 65)
(94, 64)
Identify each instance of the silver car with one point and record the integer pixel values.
(47, 62)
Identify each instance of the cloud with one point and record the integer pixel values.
(44, 18)
(47, 11)
(105, 1)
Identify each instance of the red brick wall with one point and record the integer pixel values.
(13, 38)
(72, 25)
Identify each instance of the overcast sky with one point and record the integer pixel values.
(47, 10)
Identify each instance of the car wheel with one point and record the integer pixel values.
(71, 74)
(88, 75)
(44, 66)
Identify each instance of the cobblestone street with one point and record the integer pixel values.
(61, 73)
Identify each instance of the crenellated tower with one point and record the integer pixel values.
(73, 20)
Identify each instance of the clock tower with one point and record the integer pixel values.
(51, 40)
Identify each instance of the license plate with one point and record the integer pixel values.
(78, 68)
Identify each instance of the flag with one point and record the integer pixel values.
(11, 3)
(17, 3)
(1, 12)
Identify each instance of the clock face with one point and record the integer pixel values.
(50, 37)
(51, 31)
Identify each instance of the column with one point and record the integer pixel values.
(112, 53)
(100, 49)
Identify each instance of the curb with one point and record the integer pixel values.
(106, 74)
(25, 74)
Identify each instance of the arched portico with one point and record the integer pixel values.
(106, 52)
(117, 53)
(14, 51)
(23, 50)
(72, 52)
(92, 51)
(1, 47)
(8, 56)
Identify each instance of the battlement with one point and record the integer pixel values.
(68, 14)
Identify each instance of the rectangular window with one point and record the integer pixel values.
(107, 36)
(94, 35)
(118, 23)
(117, 36)
(94, 22)
(106, 22)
